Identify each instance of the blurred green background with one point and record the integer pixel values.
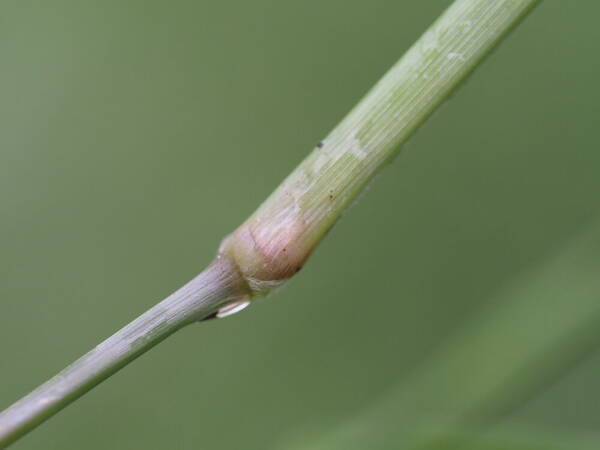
(456, 306)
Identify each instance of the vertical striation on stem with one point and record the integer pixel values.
(219, 284)
(273, 244)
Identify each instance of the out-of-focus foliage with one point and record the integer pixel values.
(457, 306)
(505, 356)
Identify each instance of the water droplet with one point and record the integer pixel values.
(232, 308)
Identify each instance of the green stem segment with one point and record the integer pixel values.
(218, 285)
(276, 240)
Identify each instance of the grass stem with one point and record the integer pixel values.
(273, 244)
